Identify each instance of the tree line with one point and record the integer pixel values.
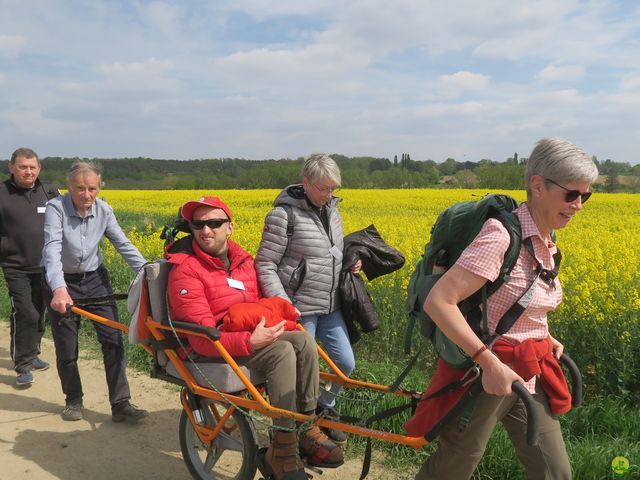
(357, 172)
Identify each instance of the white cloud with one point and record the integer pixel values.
(11, 45)
(163, 16)
(559, 73)
(146, 67)
(631, 82)
(272, 78)
(466, 81)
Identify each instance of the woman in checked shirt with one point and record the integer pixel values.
(557, 178)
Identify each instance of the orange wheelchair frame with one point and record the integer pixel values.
(222, 405)
(215, 421)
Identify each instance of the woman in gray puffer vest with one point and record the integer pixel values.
(300, 258)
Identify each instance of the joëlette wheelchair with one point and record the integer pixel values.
(220, 397)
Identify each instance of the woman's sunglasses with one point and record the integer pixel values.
(212, 224)
(572, 195)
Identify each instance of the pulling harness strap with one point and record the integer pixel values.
(104, 300)
(396, 383)
(390, 412)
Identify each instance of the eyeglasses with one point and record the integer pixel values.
(572, 195)
(212, 224)
(325, 190)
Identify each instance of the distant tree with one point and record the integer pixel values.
(465, 179)
(501, 176)
(395, 160)
(612, 181)
(379, 164)
(430, 174)
(448, 167)
(633, 181)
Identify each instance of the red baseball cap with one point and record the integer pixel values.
(188, 208)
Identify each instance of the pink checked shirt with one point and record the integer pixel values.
(484, 257)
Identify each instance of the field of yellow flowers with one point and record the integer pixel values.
(598, 320)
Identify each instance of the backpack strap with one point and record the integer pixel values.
(548, 276)
(290, 225)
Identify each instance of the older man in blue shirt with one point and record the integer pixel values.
(74, 224)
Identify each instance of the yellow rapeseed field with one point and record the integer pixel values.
(600, 246)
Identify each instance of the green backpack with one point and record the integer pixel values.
(454, 230)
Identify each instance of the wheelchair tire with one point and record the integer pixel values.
(234, 454)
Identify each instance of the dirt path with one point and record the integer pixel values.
(36, 444)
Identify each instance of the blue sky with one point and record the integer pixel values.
(278, 78)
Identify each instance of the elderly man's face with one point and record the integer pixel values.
(211, 240)
(84, 189)
(25, 171)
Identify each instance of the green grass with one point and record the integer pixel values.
(606, 426)
(595, 433)
(603, 428)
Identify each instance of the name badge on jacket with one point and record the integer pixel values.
(237, 284)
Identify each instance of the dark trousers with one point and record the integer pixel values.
(65, 337)
(27, 316)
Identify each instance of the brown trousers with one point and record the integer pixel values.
(290, 365)
(459, 453)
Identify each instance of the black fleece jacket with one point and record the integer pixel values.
(22, 224)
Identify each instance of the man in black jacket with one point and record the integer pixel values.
(22, 203)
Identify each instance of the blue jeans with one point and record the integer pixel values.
(331, 331)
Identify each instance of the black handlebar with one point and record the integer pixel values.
(527, 399)
(532, 415)
(576, 379)
(472, 392)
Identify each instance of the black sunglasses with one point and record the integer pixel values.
(572, 195)
(212, 224)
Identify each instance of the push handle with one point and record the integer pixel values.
(576, 379)
(532, 414)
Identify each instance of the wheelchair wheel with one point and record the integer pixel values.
(233, 455)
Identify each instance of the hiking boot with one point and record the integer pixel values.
(127, 412)
(39, 365)
(318, 450)
(282, 460)
(72, 412)
(24, 378)
(336, 436)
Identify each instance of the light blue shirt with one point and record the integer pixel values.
(71, 243)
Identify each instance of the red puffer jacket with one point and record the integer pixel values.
(201, 290)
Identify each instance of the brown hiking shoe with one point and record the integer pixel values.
(282, 457)
(319, 450)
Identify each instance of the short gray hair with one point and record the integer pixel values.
(319, 166)
(82, 168)
(561, 161)
(25, 153)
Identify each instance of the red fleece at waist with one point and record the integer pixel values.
(535, 357)
(529, 358)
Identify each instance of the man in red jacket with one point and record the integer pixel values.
(210, 274)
